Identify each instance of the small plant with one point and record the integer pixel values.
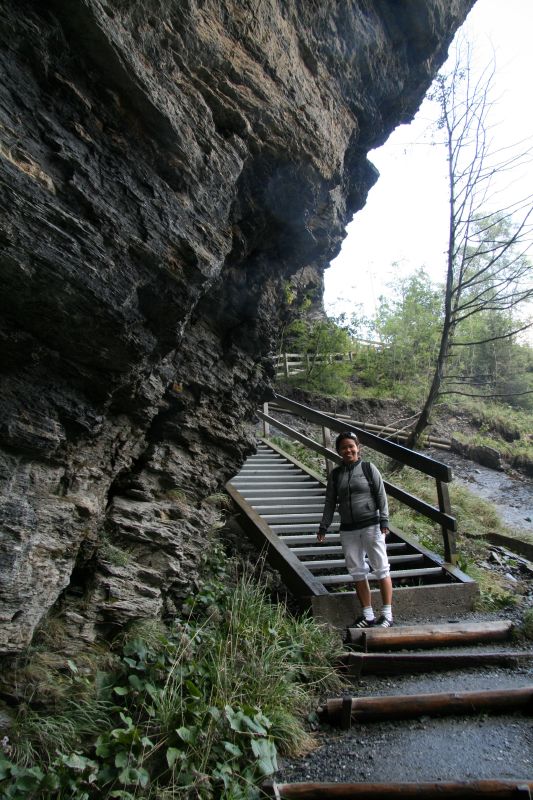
(112, 553)
(527, 624)
(220, 500)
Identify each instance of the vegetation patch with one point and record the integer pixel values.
(196, 709)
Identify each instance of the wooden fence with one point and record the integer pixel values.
(294, 363)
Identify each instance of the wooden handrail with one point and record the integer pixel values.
(429, 466)
(394, 491)
(383, 431)
(396, 451)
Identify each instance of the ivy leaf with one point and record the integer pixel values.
(265, 752)
(5, 768)
(121, 690)
(77, 762)
(103, 748)
(150, 688)
(233, 749)
(187, 734)
(136, 682)
(172, 754)
(122, 759)
(133, 775)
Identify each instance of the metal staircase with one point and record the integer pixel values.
(281, 503)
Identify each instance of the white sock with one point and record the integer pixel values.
(368, 613)
(387, 612)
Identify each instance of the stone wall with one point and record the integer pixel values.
(165, 166)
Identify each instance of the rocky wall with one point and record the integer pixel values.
(165, 166)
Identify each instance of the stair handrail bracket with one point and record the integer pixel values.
(441, 472)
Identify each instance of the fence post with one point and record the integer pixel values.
(450, 540)
(326, 441)
(286, 365)
(266, 426)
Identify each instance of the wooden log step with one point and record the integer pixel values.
(355, 664)
(430, 635)
(370, 709)
(447, 790)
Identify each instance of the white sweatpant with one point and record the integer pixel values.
(370, 541)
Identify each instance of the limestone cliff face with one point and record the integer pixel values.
(165, 166)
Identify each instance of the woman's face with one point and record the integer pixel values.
(349, 451)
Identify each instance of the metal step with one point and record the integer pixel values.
(331, 580)
(297, 504)
(264, 469)
(334, 549)
(286, 494)
(312, 516)
(339, 563)
(301, 528)
(293, 479)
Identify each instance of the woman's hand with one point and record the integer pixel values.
(385, 531)
(321, 537)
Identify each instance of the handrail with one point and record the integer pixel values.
(383, 431)
(396, 451)
(429, 466)
(394, 491)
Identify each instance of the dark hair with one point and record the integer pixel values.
(345, 435)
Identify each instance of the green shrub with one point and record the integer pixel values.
(199, 709)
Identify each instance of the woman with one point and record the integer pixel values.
(364, 517)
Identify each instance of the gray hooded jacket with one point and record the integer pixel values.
(349, 488)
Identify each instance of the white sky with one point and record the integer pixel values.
(405, 218)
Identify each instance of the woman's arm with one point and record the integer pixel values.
(383, 505)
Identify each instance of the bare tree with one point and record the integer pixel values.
(488, 239)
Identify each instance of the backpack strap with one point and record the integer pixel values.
(366, 466)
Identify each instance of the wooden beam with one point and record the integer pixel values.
(444, 519)
(445, 790)
(370, 709)
(431, 635)
(407, 663)
(403, 454)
